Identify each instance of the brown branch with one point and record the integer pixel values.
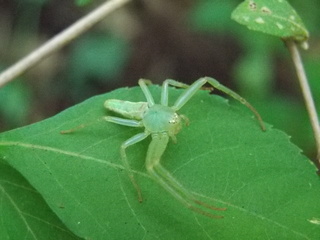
(307, 95)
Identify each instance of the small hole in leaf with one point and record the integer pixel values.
(252, 5)
(292, 17)
(266, 10)
(259, 20)
(280, 26)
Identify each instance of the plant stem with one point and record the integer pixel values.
(60, 40)
(295, 54)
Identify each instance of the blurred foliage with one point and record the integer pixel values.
(95, 57)
(82, 2)
(156, 39)
(15, 104)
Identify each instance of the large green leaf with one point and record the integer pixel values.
(24, 214)
(270, 190)
(275, 17)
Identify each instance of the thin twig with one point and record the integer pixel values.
(295, 54)
(60, 40)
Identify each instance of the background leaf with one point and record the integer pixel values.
(98, 56)
(270, 189)
(275, 17)
(15, 103)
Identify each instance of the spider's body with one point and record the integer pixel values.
(162, 119)
(163, 122)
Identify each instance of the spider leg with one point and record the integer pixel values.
(143, 85)
(176, 185)
(237, 97)
(133, 140)
(124, 121)
(80, 127)
(164, 92)
(191, 91)
(168, 182)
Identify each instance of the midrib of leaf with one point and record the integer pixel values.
(71, 154)
(68, 153)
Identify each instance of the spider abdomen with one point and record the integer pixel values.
(131, 110)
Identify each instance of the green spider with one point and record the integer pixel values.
(162, 123)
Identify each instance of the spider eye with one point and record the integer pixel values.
(174, 119)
